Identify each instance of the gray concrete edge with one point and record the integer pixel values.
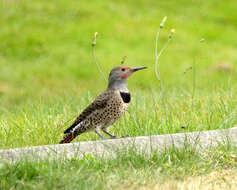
(201, 140)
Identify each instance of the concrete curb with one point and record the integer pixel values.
(201, 140)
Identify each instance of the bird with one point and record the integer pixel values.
(107, 108)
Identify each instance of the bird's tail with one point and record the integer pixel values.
(67, 138)
(73, 133)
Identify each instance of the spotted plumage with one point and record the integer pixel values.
(107, 108)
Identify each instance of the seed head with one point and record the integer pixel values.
(163, 22)
(94, 40)
(124, 58)
(96, 34)
(202, 40)
(172, 31)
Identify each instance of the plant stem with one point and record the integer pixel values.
(157, 71)
(94, 57)
(194, 82)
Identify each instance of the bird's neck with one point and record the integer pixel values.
(118, 85)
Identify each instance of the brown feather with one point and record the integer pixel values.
(99, 103)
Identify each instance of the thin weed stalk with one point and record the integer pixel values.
(94, 57)
(157, 55)
(194, 76)
(194, 82)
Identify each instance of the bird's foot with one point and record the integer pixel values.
(125, 136)
(113, 137)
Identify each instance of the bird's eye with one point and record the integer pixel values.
(123, 69)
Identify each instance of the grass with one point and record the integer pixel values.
(43, 123)
(47, 77)
(48, 74)
(129, 170)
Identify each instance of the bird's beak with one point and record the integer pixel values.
(137, 69)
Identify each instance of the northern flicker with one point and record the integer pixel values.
(108, 107)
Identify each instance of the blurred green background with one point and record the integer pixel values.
(47, 73)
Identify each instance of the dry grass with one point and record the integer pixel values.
(225, 67)
(4, 88)
(217, 180)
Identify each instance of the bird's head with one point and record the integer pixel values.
(119, 75)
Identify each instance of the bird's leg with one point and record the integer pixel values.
(98, 133)
(105, 131)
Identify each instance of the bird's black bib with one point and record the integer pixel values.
(125, 96)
